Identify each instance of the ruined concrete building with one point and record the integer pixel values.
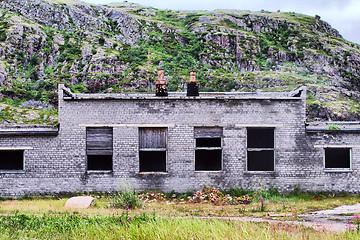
(179, 141)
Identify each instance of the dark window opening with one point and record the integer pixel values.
(208, 148)
(152, 149)
(260, 138)
(99, 148)
(208, 142)
(208, 160)
(261, 160)
(152, 161)
(99, 162)
(337, 157)
(260, 149)
(12, 160)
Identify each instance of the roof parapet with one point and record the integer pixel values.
(28, 130)
(67, 92)
(298, 93)
(333, 127)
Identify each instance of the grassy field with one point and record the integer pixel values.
(171, 217)
(150, 227)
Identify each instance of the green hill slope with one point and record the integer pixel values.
(120, 47)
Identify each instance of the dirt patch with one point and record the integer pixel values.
(335, 220)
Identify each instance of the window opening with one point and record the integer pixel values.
(260, 149)
(99, 148)
(337, 158)
(208, 148)
(152, 149)
(12, 160)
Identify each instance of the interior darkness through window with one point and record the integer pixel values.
(261, 160)
(260, 138)
(152, 161)
(208, 160)
(12, 160)
(208, 142)
(337, 158)
(99, 162)
(260, 149)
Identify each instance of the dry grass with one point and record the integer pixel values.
(175, 219)
(171, 208)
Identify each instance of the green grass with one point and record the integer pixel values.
(33, 217)
(20, 226)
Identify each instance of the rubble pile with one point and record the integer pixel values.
(206, 195)
(152, 197)
(217, 197)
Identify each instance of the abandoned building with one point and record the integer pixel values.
(179, 141)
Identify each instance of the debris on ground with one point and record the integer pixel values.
(216, 197)
(150, 197)
(211, 195)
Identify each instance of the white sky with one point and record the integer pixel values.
(344, 15)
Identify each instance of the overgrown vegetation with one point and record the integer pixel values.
(46, 217)
(4, 25)
(333, 127)
(127, 199)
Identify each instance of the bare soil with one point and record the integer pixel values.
(335, 220)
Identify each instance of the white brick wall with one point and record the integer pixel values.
(58, 163)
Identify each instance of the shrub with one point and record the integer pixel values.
(79, 88)
(333, 127)
(34, 60)
(127, 199)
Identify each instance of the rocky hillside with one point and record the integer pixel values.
(120, 47)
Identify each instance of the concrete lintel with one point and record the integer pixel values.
(12, 171)
(264, 125)
(209, 125)
(17, 148)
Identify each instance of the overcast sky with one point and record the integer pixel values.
(344, 15)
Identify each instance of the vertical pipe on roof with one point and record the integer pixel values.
(161, 85)
(192, 86)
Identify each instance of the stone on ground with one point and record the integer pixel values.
(80, 202)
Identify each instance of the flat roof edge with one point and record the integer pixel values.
(29, 133)
(333, 127)
(29, 130)
(319, 130)
(225, 97)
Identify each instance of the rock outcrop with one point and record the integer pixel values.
(120, 47)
